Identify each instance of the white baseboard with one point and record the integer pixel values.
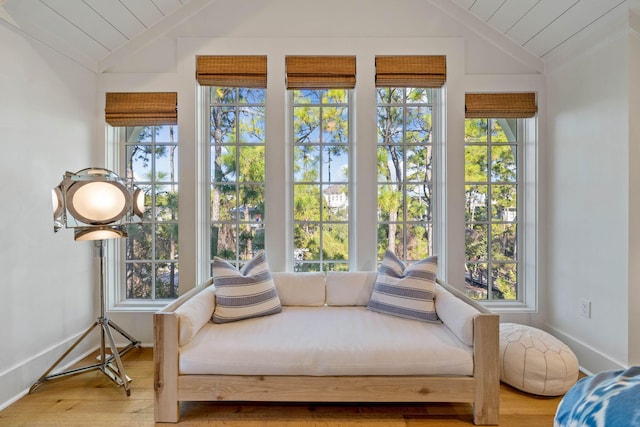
(591, 360)
(17, 380)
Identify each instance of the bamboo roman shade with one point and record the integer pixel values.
(411, 71)
(232, 71)
(141, 108)
(500, 105)
(321, 72)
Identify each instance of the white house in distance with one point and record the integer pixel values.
(335, 197)
(580, 57)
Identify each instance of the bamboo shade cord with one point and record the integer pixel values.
(141, 108)
(411, 71)
(232, 70)
(500, 105)
(320, 72)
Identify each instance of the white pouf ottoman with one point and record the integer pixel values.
(535, 362)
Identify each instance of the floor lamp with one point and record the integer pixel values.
(97, 204)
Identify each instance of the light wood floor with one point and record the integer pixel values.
(90, 399)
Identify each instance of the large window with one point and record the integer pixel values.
(500, 158)
(151, 253)
(492, 206)
(405, 171)
(325, 174)
(237, 171)
(321, 145)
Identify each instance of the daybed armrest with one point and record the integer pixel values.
(194, 313)
(457, 311)
(477, 326)
(486, 368)
(165, 354)
(165, 358)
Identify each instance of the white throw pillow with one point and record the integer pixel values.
(406, 291)
(243, 294)
(349, 288)
(301, 289)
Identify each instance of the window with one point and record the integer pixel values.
(144, 142)
(320, 97)
(234, 95)
(321, 145)
(406, 90)
(500, 153)
(405, 171)
(151, 249)
(492, 189)
(296, 170)
(237, 171)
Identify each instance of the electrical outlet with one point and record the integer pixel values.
(585, 308)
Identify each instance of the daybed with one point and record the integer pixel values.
(325, 345)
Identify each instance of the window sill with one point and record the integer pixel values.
(139, 306)
(509, 307)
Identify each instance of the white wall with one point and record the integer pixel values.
(46, 125)
(589, 182)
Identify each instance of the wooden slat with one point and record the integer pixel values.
(326, 389)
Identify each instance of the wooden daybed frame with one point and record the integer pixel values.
(482, 389)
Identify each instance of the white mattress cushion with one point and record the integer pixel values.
(326, 341)
(350, 287)
(305, 288)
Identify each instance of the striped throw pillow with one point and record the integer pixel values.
(243, 294)
(406, 291)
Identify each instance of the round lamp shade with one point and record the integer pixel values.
(98, 202)
(99, 233)
(138, 202)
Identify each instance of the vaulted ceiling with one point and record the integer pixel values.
(89, 31)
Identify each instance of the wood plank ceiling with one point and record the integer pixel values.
(539, 26)
(89, 31)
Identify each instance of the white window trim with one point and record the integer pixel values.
(353, 167)
(528, 223)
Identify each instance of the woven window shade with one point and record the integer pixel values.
(500, 105)
(321, 72)
(141, 108)
(411, 71)
(232, 71)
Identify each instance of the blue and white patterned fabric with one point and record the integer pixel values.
(406, 291)
(607, 399)
(243, 294)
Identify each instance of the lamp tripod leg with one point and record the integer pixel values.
(46, 376)
(116, 374)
